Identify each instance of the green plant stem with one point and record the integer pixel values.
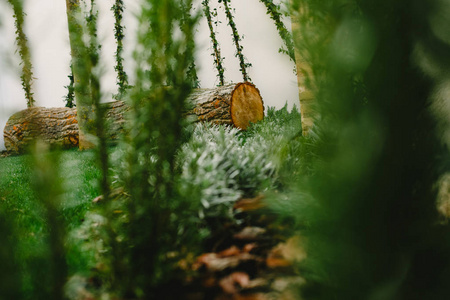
(96, 100)
(236, 39)
(286, 36)
(218, 60)
(48, 190)
(155, 137)
(24, 51)
(81, 72)
(70, 97)
(184, 24)
(122, 77)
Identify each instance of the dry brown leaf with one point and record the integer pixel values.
(249, 247)
(257, 296)
(209, 281)
(249, 204)
(215, 263)
(257, 283)
(286, 253)
(233, 250)
(97, 199)
(250, 233)
(274, 262)
(234, 282)
(283, 283)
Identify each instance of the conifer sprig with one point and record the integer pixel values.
(237, 39)
(184, 24)
(24, 51)
(218, 59)
(95, 94)
(122, 77)
(273, 11)
(70, 97)
(158, 215)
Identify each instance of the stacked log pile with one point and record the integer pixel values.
(233, 104)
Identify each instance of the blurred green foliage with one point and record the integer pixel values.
(215, 167)
(24, 50)
(359, 188)
(119, 34)
(368, 209)
(24, 203)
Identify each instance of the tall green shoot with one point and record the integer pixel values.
(47, 184)
(157, 213)
(95, 95)
(122, 77)
(24, 51)
(81, 67)
(273, 11)
(367, 212)
(218, 59)
(237, 41)
(70, 97)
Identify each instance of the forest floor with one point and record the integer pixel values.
(255, 260)
(253, 256)
(251, 252)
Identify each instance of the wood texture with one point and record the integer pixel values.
(246, 105)
(232, 104)
(304, 72)
(55, 126)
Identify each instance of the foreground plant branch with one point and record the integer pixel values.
(70, 97)
(158, 217)
(122, 77)
(218, 60)
(237, 40)
(100, 110)
(81, 72)
(286, 36)
(24, 51)
(185, 20)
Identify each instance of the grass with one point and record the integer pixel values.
(80, 183)
(218, 165)
(18, 201)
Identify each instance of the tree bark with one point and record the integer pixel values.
(304, 73)
(55, 126)
(233, 104)
(81, 74)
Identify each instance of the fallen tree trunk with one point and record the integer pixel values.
(233, 104)
(56, 126)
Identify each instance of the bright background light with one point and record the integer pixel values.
(46, 29)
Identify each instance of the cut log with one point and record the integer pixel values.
(56, 126)
(234, 104)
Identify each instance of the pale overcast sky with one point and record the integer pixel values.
(46, 29)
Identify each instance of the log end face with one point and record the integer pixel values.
(246, 105)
